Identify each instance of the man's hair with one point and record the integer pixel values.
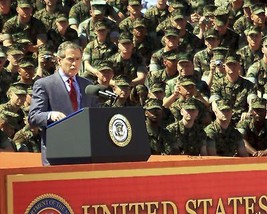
(67, 45)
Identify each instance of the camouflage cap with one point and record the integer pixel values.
(253, 30)
(141, 88)
(62, 18)
(209, 10)
(18, 88)
(13, 50)
(100, 25)
(157, 87)
(171, 31)
(186, 80)
(121, 81)
(189, 104)
(170, 55)
(247, 3)
(223, 105)
(178, 14)
(105, 66)
(153, 103)
(219, 53)
(185, 57)
(10, 118)
(134, 2)
(139, 23)
(259, 103)
(125, 37)
(232, 58)
(24, 3)
(222, 16)
(98, 6)
(257, 9)
(211, 33)
(26, 62)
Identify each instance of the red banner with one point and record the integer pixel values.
(202, 189)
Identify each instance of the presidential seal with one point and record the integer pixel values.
(120, 130)
(49, 203)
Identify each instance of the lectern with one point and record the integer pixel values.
(99, 135)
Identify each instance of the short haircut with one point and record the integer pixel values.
(67, 45)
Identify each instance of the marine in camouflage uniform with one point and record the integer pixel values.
(169, 72)
(130, 64)
(171, 40)
(203, 58)
(228, 37)
(233, 88)
(254, 129)
(96, 50)
(33, 30)
(257, 72)
(188, 138)
(157, 13)
(223, 138)
(61, 33)
(5, 78)
(8, 124)
(17, 95)
(157, 134)
(252, 52)
(86, 30)
(49, 17)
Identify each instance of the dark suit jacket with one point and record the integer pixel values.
(50, 94)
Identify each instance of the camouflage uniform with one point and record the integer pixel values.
(237, 93)
(226, 141)
(120, 5)
(186, 141)
(14, 30)
(54, 38)
(5, 81)
(27, 141)
(48, 18)
(78, 13)
(157, 16)
(8, 118)
(86, 30)
(254, 134)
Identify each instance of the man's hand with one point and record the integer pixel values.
(56, 115)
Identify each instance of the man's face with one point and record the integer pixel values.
(126, 48)
(5, 6)
(254, 40)
(134, 9)
(122, 91)
(185, 68)
(105, 76)
(232, 68)
(102, 34)
(50, 2)
(187, 91)
(17, 99)
(264, 49)
(212, 42)
(189, 114)
(258, 19)
(24, 12)
(224, 115)
(154, 115)
(172, 64)
(171, 42)
(71, 63)
(179, 23)
(62, 25)
(27, 73)
(139, 31)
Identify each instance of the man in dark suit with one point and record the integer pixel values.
(58, 95)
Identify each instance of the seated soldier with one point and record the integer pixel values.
(254, 129)
(188, 137)
(8, 124)
(156, 133)
(223, 139)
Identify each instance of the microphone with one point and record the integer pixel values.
(101, 91)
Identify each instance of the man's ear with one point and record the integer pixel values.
(59, 60)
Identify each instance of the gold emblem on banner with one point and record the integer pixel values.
(120, 130)
(49, 203)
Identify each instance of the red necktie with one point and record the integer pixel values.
(73, 95)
